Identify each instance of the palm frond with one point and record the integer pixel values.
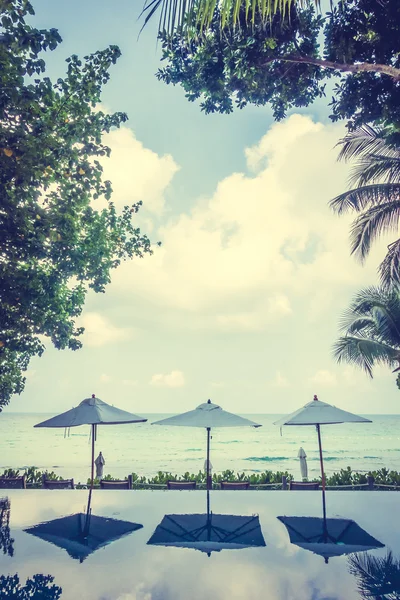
(374, 314)
(389, 269)
(184, 14)
(371, 224)
(364, 142)
(359, 198)
(364, 353)
(362, 325)
(377, 577)
(376, 168)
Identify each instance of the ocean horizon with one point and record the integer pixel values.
(144, 449)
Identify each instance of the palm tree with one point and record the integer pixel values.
(375, 194)
(377, 577)
(372, 330)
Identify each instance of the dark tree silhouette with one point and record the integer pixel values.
(377, 577)
(6, 541)
(39, 587)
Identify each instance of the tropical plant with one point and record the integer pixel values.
(285, 64)
(377, 577)
(375, 193)
(10, 473)
(372, 330)
(55, 241)
(189, 15)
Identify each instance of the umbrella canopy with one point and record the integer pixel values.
(71, 534)
(92, 411)
(207, 415)
(329, 537)
(303, 463)
(208, 533)
(320, 413)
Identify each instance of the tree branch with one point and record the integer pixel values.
(392, 72)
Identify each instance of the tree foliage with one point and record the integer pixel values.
(190, 15)
(55, 243)
(372, 330)
(281, 62)
(37, 587)
(375, 197)
(378, 577)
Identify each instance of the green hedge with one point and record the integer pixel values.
(343, 477)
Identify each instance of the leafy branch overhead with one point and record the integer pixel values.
(55, 243)
(283, 63)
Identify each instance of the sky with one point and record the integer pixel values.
(242, 301)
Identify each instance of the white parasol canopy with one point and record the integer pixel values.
(320, 413)
(207, 415)
(303, 463)
(92, 411)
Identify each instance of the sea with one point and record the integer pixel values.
(145, 449)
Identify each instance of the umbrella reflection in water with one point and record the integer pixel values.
(82, 534)
(329, 537)
(208, 532)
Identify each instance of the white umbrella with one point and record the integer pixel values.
(303, 463)
(92, 411)
(320, 413)
(99, 462)
(207, 415)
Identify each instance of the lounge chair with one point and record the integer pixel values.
(58, 484)
(235, 485)
(13, 482)
(303, 485)
(116, 484)
(181, 485)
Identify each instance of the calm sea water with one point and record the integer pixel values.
(146, 449)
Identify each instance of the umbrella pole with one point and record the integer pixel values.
(91, 480)
(322, 471)
(93, 442)
(208, 458)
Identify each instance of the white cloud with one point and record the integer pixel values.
(241, 259)
(136, 173)
(105, 378)
(99, 331)
(172, 380)
(324, 378)
(280, 381)
(217, 384)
